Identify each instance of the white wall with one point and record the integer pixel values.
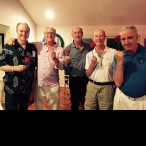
(11, 13)
(65, 32)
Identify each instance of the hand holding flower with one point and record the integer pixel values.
(20, 68)
(66, 59)
(52, 54)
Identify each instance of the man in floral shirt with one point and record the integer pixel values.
(19, 62)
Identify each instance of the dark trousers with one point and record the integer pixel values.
(16, 101)
(77, 87)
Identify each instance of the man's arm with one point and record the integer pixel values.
(8, 68)
(118, 76)
(92, 65)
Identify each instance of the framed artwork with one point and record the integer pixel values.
(1, 41)
(112, 43)
(87, 40)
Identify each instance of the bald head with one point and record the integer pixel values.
(99, 31)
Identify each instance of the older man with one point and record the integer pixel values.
(75, 56)
(50, 60)
(99, 62)
(19, 62)
(130, 71)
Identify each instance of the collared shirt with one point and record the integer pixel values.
(14, 55)
(76, 67)
(134, 70)
(48, 73)
(103, 71)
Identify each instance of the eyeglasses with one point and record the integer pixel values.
(49, 33)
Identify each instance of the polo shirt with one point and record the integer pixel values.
(103, 71)
(134, 70)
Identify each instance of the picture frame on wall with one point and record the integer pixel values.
(1, 41)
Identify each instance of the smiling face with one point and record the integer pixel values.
(22, 31)
(99, 37)
(77, 34)
(129, 39)
(49, 35)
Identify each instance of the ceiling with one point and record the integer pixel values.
(87, 12)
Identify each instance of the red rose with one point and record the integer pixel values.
(92, 44)
(117, 38)
(50, 43)
(67, 52)
(27, 59)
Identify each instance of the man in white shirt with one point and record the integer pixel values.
(100, 88)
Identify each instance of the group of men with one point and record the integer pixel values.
(100, 79)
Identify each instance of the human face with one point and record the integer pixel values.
(129, 40)
(77, 34)
(99, 37)
(49, 35)
(22, 32)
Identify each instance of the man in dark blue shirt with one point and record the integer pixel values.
(19, 62)
(130, 72)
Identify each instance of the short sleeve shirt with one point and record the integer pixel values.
(76, 67)
(134, 84)
(103, 71)
(14, 55)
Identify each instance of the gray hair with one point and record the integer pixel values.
(49, 27)
(126, 27)
(24, 24)
(77, 27)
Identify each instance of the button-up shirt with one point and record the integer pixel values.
(48, 73)
(76, 67)
(14, 55)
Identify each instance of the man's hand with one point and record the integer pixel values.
(119, 56)
(93, 61)
(19, 68)
(11, 41)
(52, 54)
(66, 59)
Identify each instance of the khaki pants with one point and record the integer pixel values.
(99, 97)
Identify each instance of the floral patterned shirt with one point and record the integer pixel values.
(14, 55)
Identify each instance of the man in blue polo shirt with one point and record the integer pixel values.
(130, 72)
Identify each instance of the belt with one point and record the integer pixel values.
(102, 83)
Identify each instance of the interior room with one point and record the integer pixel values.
(109, 15)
